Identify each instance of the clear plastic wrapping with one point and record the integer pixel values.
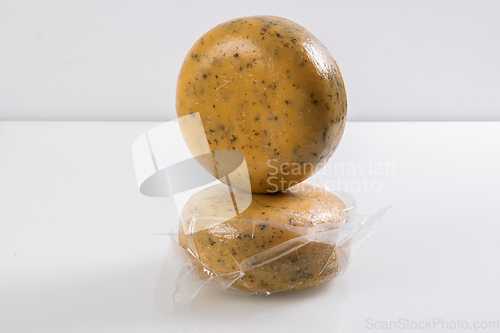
(312, 256)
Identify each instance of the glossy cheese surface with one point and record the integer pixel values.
(267, 232)
(266, 87)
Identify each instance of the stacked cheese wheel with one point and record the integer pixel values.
(266, 88)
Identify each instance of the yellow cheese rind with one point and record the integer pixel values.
(273, 224)
(267, 87)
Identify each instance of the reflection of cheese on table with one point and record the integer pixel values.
(266, 87)
(251, 241)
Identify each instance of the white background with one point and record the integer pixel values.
(79, 245)
(119, 60)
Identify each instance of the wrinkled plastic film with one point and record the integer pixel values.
(344, 238)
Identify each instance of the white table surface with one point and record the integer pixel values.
(78, 250)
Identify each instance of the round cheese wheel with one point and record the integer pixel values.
(268, 247)
(268, 88)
